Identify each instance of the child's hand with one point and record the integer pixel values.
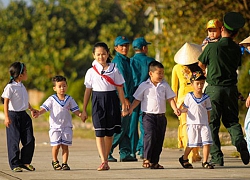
(7, 122)
(177, 112)
(130, 111)
(34, 113)
(124, 113)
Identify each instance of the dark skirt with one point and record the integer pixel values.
(106, 113)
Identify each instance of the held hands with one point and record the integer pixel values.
(177, 112)
(84, 116)
(34, 113)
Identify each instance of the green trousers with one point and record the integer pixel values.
(224, 102)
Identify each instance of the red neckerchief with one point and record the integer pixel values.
(109, 79)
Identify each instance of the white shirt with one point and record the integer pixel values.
(60, 116)
(18, 96)
(97, 83)
(197, 108)
(153, 98)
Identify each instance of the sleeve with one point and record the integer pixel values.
(7, 92)
(118, 78)
(138, 95)
(47, 104)
(88, 79)
(169, 92)
(186, 101)
(73, 105)
(208, 104)
(203, 58)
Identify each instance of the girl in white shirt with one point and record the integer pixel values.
(18, 123)
(103, 80)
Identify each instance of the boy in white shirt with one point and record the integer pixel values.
(60, 121)
(197, 106)
(153, 94)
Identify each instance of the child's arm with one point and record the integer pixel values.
(122, 100)
(184, 110)
(87, 94)
(77, 113)
(133, 106)
(7, 120)
(208, 116)
(174, 107)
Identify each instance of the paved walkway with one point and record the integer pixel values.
(84, 161)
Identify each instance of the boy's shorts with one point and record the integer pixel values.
(198, 135)
(60, 136)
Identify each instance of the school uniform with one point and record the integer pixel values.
(21, 128)
(106, 113)
(139, 66)
(198, 129)
(60, 119)
(153, 105)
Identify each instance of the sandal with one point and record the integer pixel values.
(156, 166)
(65, 166)
(185, 163)
(56, 165)
(207, 165)
(146, 163)
(104, 166)
(28, 167)
(17, 169)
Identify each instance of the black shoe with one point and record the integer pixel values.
(128, 159)
(111, 159)
(244, 154)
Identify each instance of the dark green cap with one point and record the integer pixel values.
(233, 21)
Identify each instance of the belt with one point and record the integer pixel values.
(151, 114)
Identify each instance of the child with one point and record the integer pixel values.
(152, 94)
(102, 80)
(60, 121)
(213, 31)
(197, 106)
(18, 123)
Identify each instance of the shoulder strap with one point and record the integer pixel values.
(109, 79)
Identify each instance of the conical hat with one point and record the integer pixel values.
(188, 54)
(245, 41)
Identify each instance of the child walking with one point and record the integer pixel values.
(18, 123)
(153, 94)
(103, 80)
(60, 121)
(197, 106)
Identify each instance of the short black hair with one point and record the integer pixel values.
(155, 64)
(58, 79)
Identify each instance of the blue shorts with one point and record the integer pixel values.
(106, 113)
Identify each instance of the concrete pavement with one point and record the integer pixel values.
(84, 160)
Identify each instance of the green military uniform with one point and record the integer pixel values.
(122, 139)
(139, 65)
(222, 59)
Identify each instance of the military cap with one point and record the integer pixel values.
(233, 21)
(139, 42)
(120, 40)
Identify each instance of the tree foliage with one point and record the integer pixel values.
(56, 36)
